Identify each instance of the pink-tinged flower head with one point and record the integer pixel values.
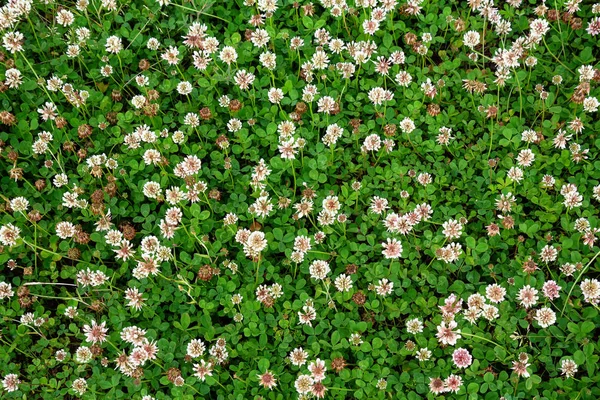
(317, 370)
(568, 368)
(436, 385)
(452, 229)
(11, 382)
(551, 290)
(495, 293)
(95, 333)
(298, 356)
(392, 248)
(378, 205)
(452, 305)
(545, 317)
(462, 358)
(453, 383)
(318, 390)
(520, 368)
(203, 370)
(527, 296)
(446, 333)
(267, 380)
(593, 27)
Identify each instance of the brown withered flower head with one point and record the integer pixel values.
(84, 131)
(359, 298)
(97, 306)
(308, 9)
(116, 95)
(491, 112)
(351, 269)
(7, 118)
(144, 64)
(60, 122)
(355, 124)
(205, 113)
(74, 253)
(111, 117)
(235, 105)
(410, 39)
(127, 230)
(16, 173)
(529, 266)
(173, 374)
(301, 108)
(205, 273)
(433, 109)
(214, 194)
(338, 364)
(389, 130)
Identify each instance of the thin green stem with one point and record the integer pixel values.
(482, 338)
(294, 175)
(258, 268)
(577, 280)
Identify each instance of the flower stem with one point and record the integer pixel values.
(577, 280)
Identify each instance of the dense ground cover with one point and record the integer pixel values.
(263, 199)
